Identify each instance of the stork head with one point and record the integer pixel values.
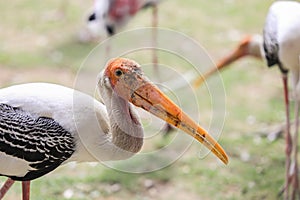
(250, 45)
(126, 79)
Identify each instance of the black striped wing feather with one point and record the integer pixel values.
(40, 141)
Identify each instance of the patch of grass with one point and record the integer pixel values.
(254, 173)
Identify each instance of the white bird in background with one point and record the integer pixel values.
(280, 45)
(110, 16)
(42, 128)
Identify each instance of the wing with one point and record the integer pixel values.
(270, 40)
(38, 141)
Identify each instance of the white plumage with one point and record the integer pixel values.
(283, 28)
(79, 113)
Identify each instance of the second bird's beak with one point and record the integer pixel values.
(226, 61)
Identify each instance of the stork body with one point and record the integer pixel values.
(43, 126)
(281, 34)
(38, 132)
(51, 103)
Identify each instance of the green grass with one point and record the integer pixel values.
(31, 38)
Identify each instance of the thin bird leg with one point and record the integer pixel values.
(26, 190)
(154, 37)
(288, 137)
(295, 190)
(8, 183)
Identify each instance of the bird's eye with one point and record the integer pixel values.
(118, 72)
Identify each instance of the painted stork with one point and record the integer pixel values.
(280, 46)
(39, 130)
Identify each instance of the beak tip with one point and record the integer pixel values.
(225, 160)
(220, 153)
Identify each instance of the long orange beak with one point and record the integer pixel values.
(151, 99)
(241, 50)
